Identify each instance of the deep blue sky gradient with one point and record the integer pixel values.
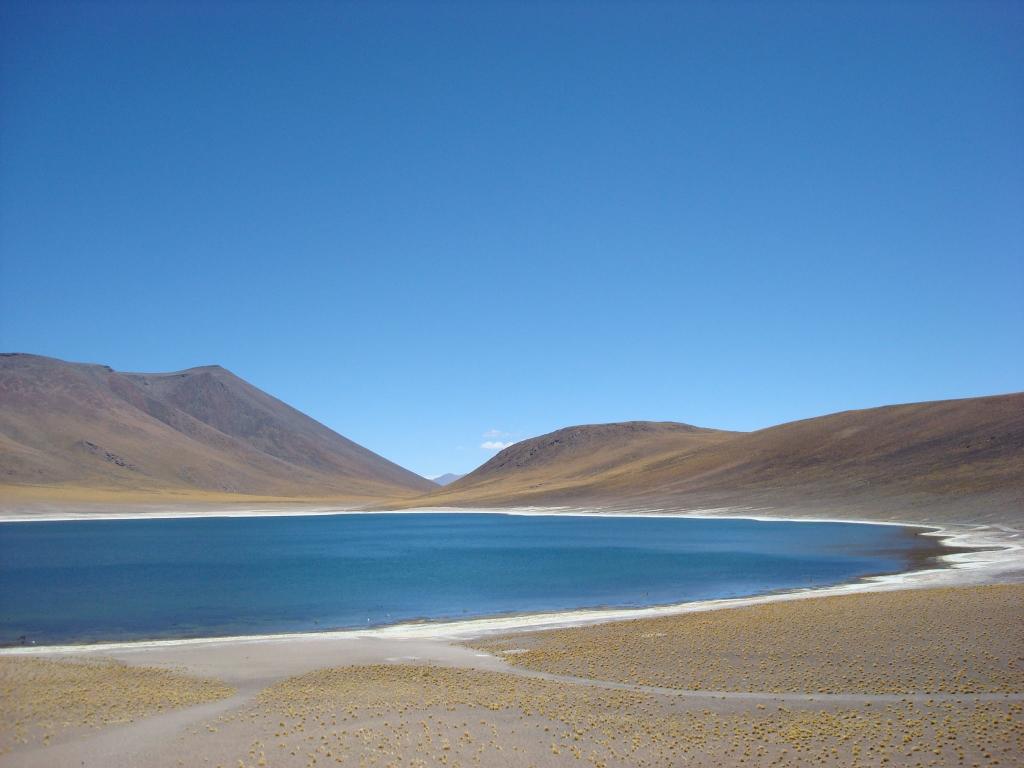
(421, 222)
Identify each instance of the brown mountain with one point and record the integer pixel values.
(77, 429)
(581, 457)
(954, 459)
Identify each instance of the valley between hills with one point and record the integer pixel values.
(922, 669)
(85, 436)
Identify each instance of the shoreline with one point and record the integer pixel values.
(992, 551)
(718, 513)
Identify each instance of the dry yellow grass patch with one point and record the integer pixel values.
(953, 640)
(418, 716)
(40, 697)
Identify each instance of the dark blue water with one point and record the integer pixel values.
(134, 579)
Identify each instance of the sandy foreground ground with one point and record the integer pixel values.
(921, 669)
(928, 677)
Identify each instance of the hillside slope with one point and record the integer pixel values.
(579, 457)
(204, 430)
(940, 460)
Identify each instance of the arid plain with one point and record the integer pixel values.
(921, 670)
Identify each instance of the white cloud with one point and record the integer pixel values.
(494, 445)
(494, 433)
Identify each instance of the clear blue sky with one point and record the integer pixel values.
(436, 225)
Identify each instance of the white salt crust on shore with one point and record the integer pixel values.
(999, 556)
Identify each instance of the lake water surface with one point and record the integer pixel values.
(85, 581)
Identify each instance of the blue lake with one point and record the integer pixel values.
(86, 581)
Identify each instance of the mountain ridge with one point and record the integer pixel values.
(917, 461)
(79, 430)
(446, 479)
(201, 429)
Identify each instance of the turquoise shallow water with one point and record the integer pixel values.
(99, 580)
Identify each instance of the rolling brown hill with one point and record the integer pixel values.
(78, 430)
(954, 459)
(580, 457)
